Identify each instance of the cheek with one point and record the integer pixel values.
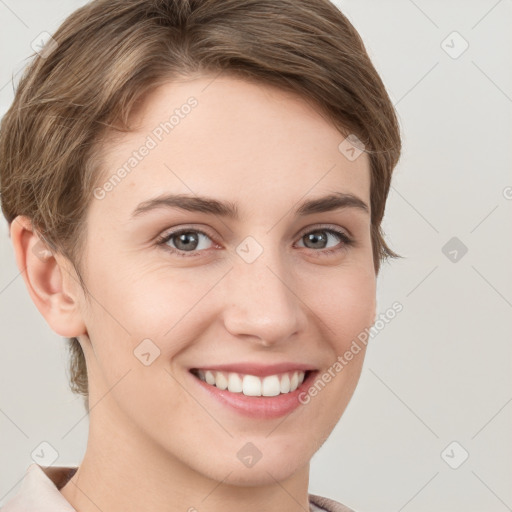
(345, 312)
(347, 307)
(140, 304)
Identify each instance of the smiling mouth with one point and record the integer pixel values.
(252, 385)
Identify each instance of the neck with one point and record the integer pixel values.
(123, 470)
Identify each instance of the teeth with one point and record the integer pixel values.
(294, 382)
(220, 380)
(285, 384)
(234, 383)
(250, 385)
(270, 386)
(209, 377)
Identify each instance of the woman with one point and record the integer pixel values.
(196, 190)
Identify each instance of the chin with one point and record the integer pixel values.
(258, 476)
(277, 466)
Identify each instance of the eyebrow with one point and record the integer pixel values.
(228, 209)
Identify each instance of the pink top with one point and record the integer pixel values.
(39, 492)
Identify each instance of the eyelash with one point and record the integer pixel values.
(162, 241)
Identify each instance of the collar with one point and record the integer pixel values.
(40, 490)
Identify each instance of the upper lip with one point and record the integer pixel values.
(259, 370)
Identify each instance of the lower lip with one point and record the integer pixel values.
(262, 407)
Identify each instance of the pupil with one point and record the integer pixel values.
(183, 240)
(314, 237)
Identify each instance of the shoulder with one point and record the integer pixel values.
(321, 504)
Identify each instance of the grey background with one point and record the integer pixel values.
(441, 370)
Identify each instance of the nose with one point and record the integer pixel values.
(261, 301)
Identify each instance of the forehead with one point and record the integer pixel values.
(237, 140)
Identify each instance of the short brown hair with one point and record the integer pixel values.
(110, 53)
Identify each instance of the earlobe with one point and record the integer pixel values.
(49, 283)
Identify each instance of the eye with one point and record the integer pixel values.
(184, 240)
(192, 241)
(318, 238)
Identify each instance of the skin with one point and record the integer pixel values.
(155, 441)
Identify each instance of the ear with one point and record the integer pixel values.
(50, 280)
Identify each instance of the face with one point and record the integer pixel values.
(280, 286)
